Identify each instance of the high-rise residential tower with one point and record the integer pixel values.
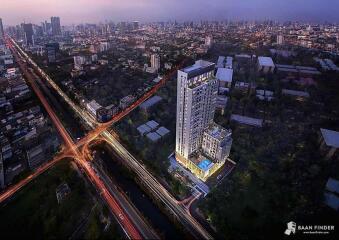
(2, 33)
(135, 25)
(155, 61)
(208, 41)
(280, 39)
(55, 24)
(201, 145)
(29, 34)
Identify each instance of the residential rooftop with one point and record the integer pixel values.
(332, 185)
(247, 120)
(198, 68)
(225, 74)
(331, 137)
(218, 132)
(150, 102)
(266, 61)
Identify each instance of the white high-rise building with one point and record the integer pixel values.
(196, 102)
(280, 39)
(155, 61)
(208, 41)
(2, 33)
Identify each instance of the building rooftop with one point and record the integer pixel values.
(332, 185)
(331, 137)
(162, 131)
(332, 200)
(313, 72)
(296, 69)
(266, 61)
(150, 102)
(94, 105)
(247, 120)
(143, 129)
(199, 67)
(218, 132)
(242, 56)
(295, 93)
(153, 136)
(225, 74)
(306, 68)
(152, 124)
(285, 66)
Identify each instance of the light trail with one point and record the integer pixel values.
(16, 187)
(101, 130)
(119, 213)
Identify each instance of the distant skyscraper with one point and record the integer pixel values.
(2, 33)
(280, 39)
(135, 25)
(201, 145)
(47, 28)
(155, 61)
(56, 28)
(208, 41)
(28, 32)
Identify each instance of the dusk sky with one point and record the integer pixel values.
(77, 11)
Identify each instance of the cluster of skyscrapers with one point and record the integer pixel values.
(29, 31)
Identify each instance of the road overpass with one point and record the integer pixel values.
(144, 175)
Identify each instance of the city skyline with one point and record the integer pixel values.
(168, 119)
(150, 10)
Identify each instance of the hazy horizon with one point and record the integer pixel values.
(80, 11)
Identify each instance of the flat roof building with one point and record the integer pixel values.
(162, 131)
(225, 77)
(247, 120)
(331, 137)
(300, 94)
(332, 200)
(332, 185)
(152, 124)
(153, 136)
(143, 129)
(145, 106)
(329, 142)
(217, 142)
(93, 107)
(265, 64)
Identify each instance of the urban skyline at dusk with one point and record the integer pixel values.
(81, 11)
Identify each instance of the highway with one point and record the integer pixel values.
(151, 182)
(129, 208)
(119, 213)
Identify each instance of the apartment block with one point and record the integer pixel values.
(196, 102)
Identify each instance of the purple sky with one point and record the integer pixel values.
(77, 11)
